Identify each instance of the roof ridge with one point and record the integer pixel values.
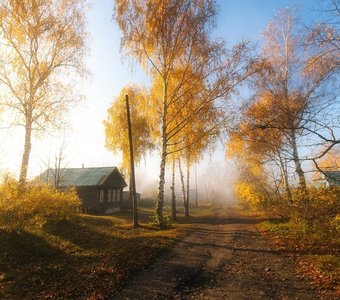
(92, 176)
(86, 168)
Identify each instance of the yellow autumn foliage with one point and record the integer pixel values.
(34, 205)
(321, 212)
(317, 212)
(248, 194)
(116, 131)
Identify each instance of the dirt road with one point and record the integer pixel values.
(223, 257)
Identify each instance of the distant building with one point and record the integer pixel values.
(127, 200)
(332, 177)
(329, 178)
(100, 189)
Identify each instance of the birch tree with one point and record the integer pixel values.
(201, 133)
(116, 129)
(42, 42)
(166, 36)
(254, 145)
(189, 143)
(324, 36)
(293, 85)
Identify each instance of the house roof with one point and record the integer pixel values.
(81, 176)
(335, 175)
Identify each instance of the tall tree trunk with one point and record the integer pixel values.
(297, 162)
(160, 197)
(130, 200)
(184, 194)
(173, 194)
(188, 188)
(27, 148)
(132, 166)
(196, 193)
(285, 179)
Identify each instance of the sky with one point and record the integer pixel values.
(109, 72)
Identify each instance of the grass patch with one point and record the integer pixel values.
(317, 256)
(88, 256)
(279, 228)
(197, 215)
(295, 236)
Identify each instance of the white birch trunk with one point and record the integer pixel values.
(27, 148)
(184, 194)
(173, 194)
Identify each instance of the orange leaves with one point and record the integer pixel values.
(290, 97)
(258, 133)
(326, 281)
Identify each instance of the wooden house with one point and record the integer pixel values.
(328, 178)
(100, 189)
(332, 178)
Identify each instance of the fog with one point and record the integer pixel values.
(214, 181)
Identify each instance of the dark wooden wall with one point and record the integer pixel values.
(90, 199)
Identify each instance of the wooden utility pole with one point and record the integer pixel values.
(132, 167)
(196, 184)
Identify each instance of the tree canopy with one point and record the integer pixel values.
(172, 40)
(41, 43)
(116, 126)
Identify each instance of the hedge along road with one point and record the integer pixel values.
(223, 257)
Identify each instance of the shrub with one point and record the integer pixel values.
(22, 206)
(315, 211)
(320, 211)
(249, 195)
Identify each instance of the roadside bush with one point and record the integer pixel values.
(22, 206)
(249, 195)
(320, 210)
(315, 212)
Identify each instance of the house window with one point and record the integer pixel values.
(109, 196)
(101, 196)
(119, 195)
(115, 193)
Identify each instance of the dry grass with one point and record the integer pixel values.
(85, 257)
(317, 256)
(88, 256)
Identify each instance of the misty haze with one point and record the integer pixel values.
(169, 149)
